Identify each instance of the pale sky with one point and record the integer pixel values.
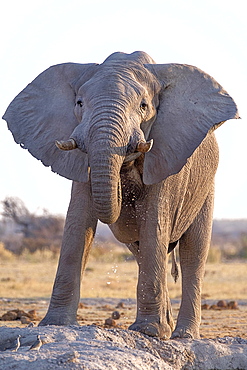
(211, 35)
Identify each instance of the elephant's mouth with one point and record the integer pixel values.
(105, 176)
(132, 157)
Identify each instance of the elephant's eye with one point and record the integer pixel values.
(143, 106)
(79, 102)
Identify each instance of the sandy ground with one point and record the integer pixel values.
(95, 345)
(216, 322)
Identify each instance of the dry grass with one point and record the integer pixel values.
(32, 276)
(22, 279)
(27, 281)
(226, 280)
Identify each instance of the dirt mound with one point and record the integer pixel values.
(92, 347)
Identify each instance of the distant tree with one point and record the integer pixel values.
(32, 231)
(15, 209)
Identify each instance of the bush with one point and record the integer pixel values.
(109, 252)
(215, 254)
(5, 255)
(38, 256)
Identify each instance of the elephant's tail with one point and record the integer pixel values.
(174, 269)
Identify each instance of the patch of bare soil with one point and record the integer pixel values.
(218, 319)
(103, 341)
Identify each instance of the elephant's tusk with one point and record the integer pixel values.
(66, 145)
(144, 147)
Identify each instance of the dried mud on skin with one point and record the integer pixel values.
(103, 342)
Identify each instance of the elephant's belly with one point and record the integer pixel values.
(125, 228)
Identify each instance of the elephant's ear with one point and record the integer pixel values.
(44, 112)
(191, 104)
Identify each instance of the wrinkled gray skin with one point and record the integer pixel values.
(150, 199)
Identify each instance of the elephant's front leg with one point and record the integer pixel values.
(154, 316)
(78, 235)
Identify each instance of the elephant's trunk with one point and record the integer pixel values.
(106, 187)
(106, 153)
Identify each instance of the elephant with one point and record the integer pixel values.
(137, 139)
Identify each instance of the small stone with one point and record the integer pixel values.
(115, 315)
(6, 317)
(106, 307)
(232, 305)
(25, 320)
(21, 313)
(32, 314)
(120, 305)
(110, 322)
(222, 304)
(214, 307)
(13, 315)
(81, 305)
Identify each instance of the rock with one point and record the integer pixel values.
(21, 313)
(120, 305)
(5, 317)
(205, 306)
(106, 307)
(32, 314)
(82, 305)
(214, 307)
(115, 315)
(110, 322)
(222, 304)
(68, 357)
(232, 305)
(25, 320)
(9, 316)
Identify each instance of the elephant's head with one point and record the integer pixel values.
(103, 115)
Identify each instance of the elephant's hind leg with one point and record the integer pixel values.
(193, 250)
(77, 239)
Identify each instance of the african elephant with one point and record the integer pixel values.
(137, 140)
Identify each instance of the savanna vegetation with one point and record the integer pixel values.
(23, 232)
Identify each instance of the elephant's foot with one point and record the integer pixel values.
(58, 318)
(159, 325)
(186, 332)
(151, 328)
